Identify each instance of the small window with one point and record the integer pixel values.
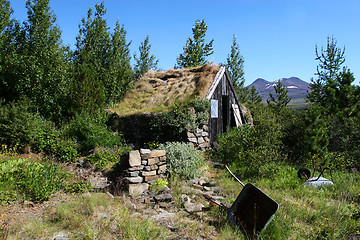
(214, 108)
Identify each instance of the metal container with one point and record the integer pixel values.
(252, 210)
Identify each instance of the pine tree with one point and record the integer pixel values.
(330, 61)
(252, 96)
(235, 65)
(196, 50)
(333, 89)
(281, 100)
(145, 62)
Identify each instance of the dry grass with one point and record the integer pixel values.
(159, 91)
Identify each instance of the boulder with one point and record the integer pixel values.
(193, 207)
(164, 197)
(138, 188)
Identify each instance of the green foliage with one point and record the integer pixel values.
(20, 126)
(5, 12)
(102, 63)
(35, 181)
(36, 62)
(333, 90)
(330, 61)
(159, 184)
(93, 44)
(145, 62)
(195, 50)
(65, 150)
(78, 187)
(106, 157)
(336, 161)
(120, 73)
(183, 160)
(281, 100)
(175, 123)
(251, 97)
(90, 130)
(247, 147)
(316, 136)
(235, 67)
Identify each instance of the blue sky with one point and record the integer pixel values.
(277, 38)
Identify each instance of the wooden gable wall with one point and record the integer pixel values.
(224, 95)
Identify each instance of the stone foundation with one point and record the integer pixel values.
(145, 167)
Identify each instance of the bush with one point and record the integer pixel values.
(34, 180)
(90, 130)
(65, 150)
(173, 125)
(247, 147)
(105, 156)
(183, 160)
(159, 184)
(20, 126)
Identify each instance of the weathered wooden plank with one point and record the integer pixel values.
(215, 83)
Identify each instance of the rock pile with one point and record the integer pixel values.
(199, 138)
(145, 167)
(197, 188)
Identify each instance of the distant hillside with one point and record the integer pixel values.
(297, 88)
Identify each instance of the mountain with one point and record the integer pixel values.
(297, 88)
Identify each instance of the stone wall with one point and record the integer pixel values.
(200, 138)
(145, 167)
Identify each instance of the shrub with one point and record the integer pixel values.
(34, 180)
(183, 160)
(105, 156)
(78, 187)
(246, 148)
(338, 161)
(90, 130)
(173, 125)
(65, 150)
(159, 184)
(23, 127)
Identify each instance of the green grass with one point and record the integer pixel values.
(94, 216)
(307, 212)
(331, 212)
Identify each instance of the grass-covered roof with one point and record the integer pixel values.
(160, 91)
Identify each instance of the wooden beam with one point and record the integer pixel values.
(216, 81)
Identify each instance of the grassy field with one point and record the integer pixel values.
(330, 212)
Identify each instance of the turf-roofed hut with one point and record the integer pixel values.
(193, 104)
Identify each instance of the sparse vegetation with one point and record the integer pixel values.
(52, 118)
